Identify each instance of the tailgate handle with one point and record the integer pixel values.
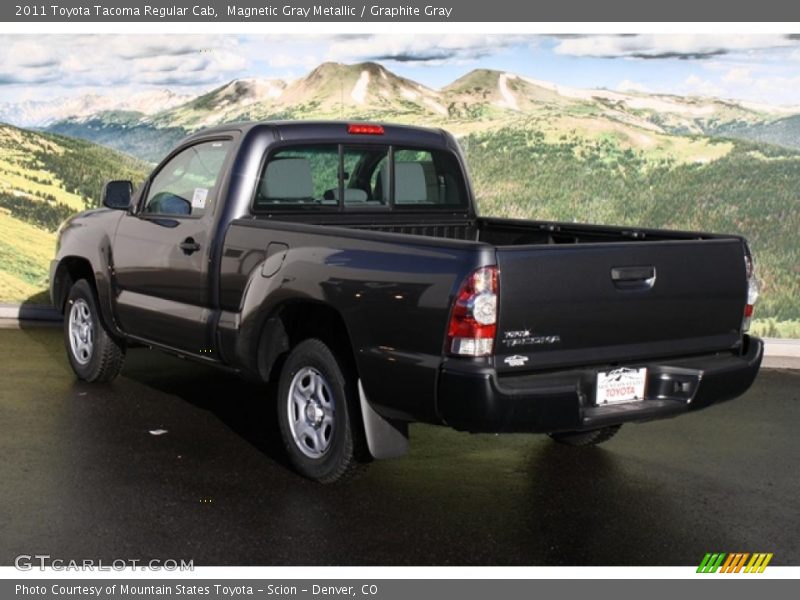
(633, 278)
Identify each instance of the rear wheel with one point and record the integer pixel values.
(586, 438)
(318, 414)
(93, 353)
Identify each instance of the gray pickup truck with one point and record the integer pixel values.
(347, 263)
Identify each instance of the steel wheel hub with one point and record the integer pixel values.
(311, 410)
(81, 331)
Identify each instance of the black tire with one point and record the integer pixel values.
(103, 358)
(341, 451)
(586, 438)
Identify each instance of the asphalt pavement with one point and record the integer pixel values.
(82, 476)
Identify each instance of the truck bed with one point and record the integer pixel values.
(496, 231)
(573, 294)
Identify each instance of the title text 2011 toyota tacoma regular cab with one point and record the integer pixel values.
(347, 263)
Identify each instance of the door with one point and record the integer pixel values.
(161, 252)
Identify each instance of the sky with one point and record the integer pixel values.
(763, 68)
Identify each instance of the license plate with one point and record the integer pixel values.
(620, 385)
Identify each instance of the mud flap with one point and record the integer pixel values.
(385, 438)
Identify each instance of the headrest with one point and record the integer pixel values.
(286, 179)
(410, 186)
(351, 195)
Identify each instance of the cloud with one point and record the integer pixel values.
(25, 54)
(679, 55)
(30, 77)
(284, 60)
(626, 85)
(697, 86)
(668, 46)
(98, 60)
(769, 87)
(129, 51)
(22, 61)
(409, 57)
(757, 67)
(425, 49)
(738, 75)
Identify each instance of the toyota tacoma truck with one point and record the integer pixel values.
(347, 264)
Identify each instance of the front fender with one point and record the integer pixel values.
(88, 237)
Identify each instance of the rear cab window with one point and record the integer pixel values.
(359, 177)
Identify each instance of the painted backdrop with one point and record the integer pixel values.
(690, 132)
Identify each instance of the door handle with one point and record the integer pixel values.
(633, 278)
(189, 246)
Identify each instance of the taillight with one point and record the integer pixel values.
(473, 322)
(364, 129)
(752, 291)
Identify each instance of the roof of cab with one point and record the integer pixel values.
(334, 131)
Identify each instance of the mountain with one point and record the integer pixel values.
(365, 88)
(481, 100)
(489, 89)
(783, 132)
(44, 178)
(224, 103)
(40, 113)
(330, 90)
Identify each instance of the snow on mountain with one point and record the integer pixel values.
(40, 113)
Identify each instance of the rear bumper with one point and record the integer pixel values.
(475, 399)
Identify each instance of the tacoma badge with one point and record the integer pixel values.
(516, 360)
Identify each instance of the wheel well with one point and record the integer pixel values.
(70, 269)
(297, 321)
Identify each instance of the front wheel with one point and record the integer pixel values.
(586, 438)
(93, 353)
(318, 414)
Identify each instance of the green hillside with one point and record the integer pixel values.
(784, 132)
(44, 178)
(124, 134)
(25, 253)
(753, 190)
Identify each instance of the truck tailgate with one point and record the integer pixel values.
(563, 305)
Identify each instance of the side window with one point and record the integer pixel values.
(426, 178)
(306, 176)
(187, 184)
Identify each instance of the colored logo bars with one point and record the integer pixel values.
(734, 562)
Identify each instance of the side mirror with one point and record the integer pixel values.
(117, 194)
